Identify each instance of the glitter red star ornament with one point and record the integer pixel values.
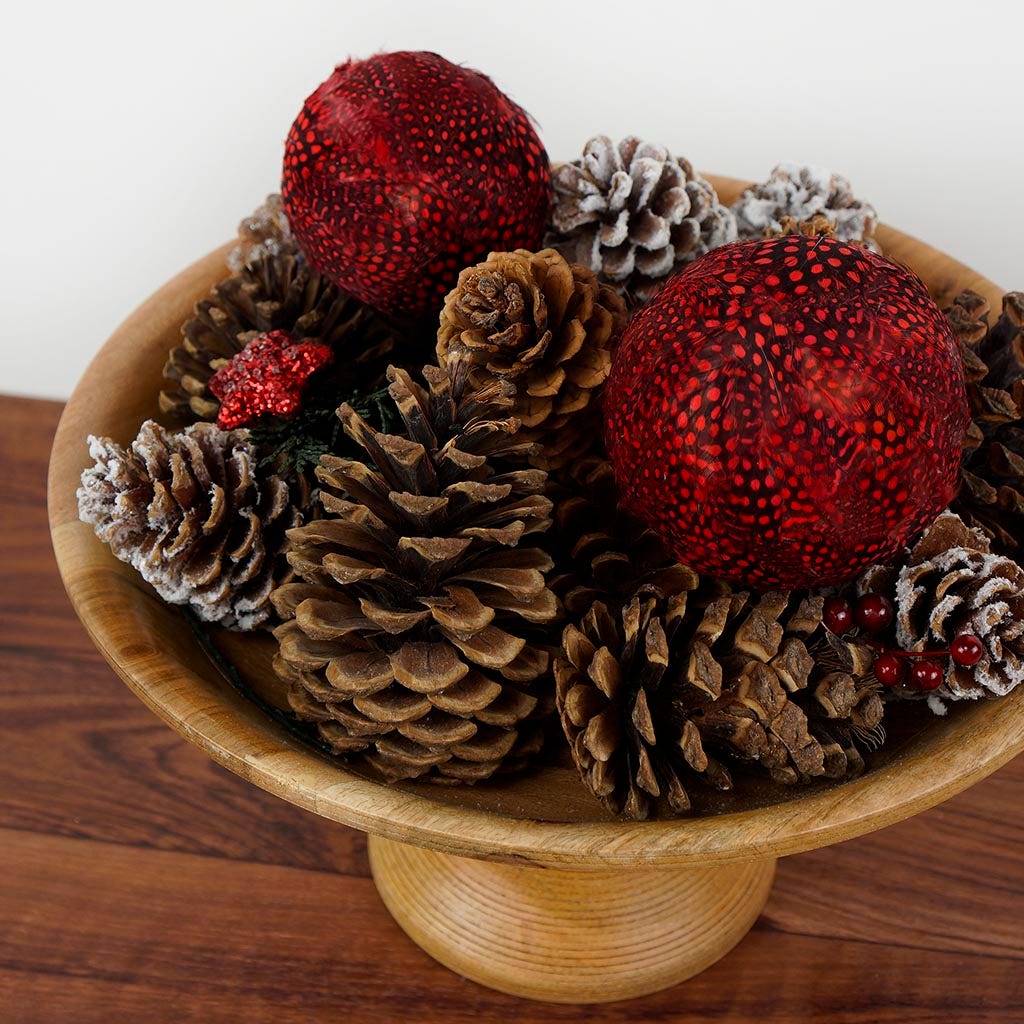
(266, 378)
(787, 412)
(404, 168)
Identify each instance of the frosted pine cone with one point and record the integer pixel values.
(803, 193)
(632, 213)
(192, 514)
(819, 226)
(952, 584)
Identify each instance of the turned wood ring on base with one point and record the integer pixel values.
(569, 936)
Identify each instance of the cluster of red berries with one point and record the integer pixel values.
(919, 670)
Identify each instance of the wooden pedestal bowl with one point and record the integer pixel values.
(526, 886)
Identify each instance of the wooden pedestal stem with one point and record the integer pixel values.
(569, 936)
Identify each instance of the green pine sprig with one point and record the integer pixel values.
(296, 443)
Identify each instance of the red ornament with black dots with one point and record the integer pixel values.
(404, 168)
(787, 412)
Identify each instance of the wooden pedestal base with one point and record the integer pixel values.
(569, 936)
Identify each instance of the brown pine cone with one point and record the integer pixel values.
(951, 584)
(613, 698)
(992, 494)
(633, 214)
(547, 328)
(272, 292)
(193, 513)
(264, 231)
(817, 226)
(674, 686)
(601, 552)
(415, 637)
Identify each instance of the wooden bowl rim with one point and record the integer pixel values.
(220, 724)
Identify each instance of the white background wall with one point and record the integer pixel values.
(136, 135)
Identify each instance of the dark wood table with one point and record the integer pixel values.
(141, 882)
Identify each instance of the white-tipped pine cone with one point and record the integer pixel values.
(632, 212)
(193, 514)
(952, 584)
(803, 193)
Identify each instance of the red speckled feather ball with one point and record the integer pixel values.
(787, 412)
(404, 168)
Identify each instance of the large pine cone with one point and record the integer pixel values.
(671, 686)
(272, 292)
(952, 583)
(992, 496)
(803, 193)
(414, 639)
(634, 213)
(546, 327)
(194, 515)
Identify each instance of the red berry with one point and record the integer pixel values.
(966, 650)
(926, 675)
(890, 669)
(873, 612)
(787, 411)
(404, 168)
(837, 615)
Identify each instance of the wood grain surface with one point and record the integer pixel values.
(569, 936)
(141, 882)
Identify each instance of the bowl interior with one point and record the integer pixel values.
(545, 816)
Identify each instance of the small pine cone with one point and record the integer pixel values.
(415, 637)
(601, 552)
(193, 514)
(803, 193)
(634, 213)
(819, 226)
(992, 495)
(547, 328)
(264, 231)
(952, 583)
(271, 293)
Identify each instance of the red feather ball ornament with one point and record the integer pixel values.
(404, 168)
(267, 378)
(787, 412)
